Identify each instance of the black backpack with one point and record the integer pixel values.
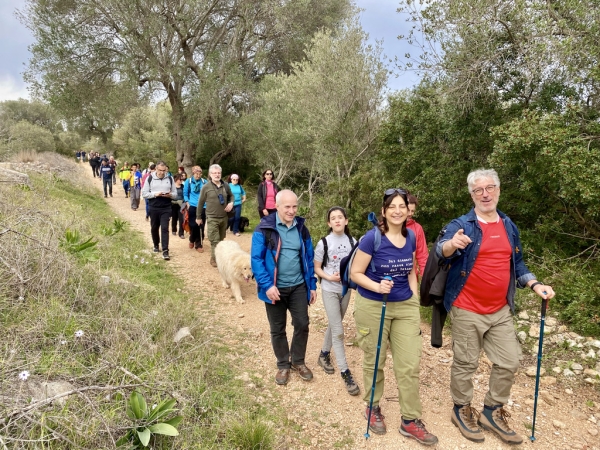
(326, 251)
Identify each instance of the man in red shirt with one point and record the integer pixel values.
(486, 262)
(421, 253)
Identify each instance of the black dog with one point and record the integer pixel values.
(244, 222)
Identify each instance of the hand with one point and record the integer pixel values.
(265, 212)
(313, 297)
(166, 194)
(544, 291)
(385, 286)
(229, 207)
(273, 294)
(460, 240)
(335, 277)
(199, 221)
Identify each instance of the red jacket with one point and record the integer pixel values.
(422, 253)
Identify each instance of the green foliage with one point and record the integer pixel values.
(251, 433)
(117, 226)
(149, 421)
(73, 243)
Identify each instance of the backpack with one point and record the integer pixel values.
(149, 180)
(326, 250)
(346, 262)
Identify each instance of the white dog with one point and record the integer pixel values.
(234, 266)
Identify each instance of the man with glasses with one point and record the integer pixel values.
(485, 255)
(158, 190)
(219, 201)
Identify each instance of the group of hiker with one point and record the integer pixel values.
(483, 253)
(481, 249)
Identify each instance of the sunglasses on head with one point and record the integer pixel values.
(393, 191)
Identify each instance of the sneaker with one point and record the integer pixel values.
(191, 245)
(465, 419)
(174, 233)
(155, 249)
(495, 420)
(200, 250)
(351, 386)
(166, 255)
(376, 424)
(111, 195)
(304, 372)
(213, 262)
(416, 430)
(325, 362)
(282, 376)
(181, 236)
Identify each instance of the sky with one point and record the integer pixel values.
(379, 19)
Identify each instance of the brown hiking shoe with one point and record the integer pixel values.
(190, 244)
(495, 420)
(213, 262)
(282, 377)
(304, 372)
(376, 424)
(416, 430)
(465, 419)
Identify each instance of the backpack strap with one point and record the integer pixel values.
(413, 238)
(325, 254)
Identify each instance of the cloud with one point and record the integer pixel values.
(12, 88)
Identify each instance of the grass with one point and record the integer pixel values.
(48, 294)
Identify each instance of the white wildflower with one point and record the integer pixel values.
(63, 342)
(135, 256)
(154, 406)
(21, 298)
(24, 375)
(142, 260)
(78, 333)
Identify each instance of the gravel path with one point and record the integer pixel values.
(321, 415)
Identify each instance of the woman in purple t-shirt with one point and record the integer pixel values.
(401, 329)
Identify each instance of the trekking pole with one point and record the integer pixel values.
(539, 365)
(383, 306)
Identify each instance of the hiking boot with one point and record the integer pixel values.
(304, 372)
(351, 386)
(166, 255)
(465, 419)
(155, 250)
(325, 362)
(376, 424)
(282, 376)
(416, 430)
(213, 262)
(191, 245)
(495, 420)
(200, 250)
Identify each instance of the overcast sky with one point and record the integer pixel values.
(379, 19)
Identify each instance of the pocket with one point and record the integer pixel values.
(464, 351)
(363, 338)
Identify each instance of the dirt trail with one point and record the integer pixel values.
(322, 414)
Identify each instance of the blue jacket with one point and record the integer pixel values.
(264, 256)
(189, 195)
(462, 261)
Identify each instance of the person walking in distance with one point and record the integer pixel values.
(176, 204)
(484, 251)
(239, 195)
(124, 176)
(158, 190)
(219, 201)
(106, 173)
(135, 183)
(327, 266)
(265, 197)
(191, 195)
(422, 252)
(151, 169)
(282, 263)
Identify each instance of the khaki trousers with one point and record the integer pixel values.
(495, 333)
(402, 332)
(216, 229)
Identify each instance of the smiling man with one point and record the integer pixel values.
(282, 262)
(485, 253)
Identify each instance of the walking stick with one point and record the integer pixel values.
(381, 322)
(539, 366)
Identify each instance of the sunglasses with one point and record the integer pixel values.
(269, 173)
(393, 191)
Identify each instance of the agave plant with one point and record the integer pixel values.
(148, 421)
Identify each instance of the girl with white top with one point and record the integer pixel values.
(327, 267)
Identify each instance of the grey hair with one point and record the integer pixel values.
(161, 163)
(478, 174)
(282, 193)
(215, 166)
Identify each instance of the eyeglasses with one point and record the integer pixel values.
(479, 191)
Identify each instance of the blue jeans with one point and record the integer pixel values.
(107, 183)
(234, 222)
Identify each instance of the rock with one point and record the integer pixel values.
(547, 381)
(590, 381)
(241, 316)
(595, 343)
(182, 333)
(592, 431)
(593, 420)
(590, 372)
(576, 366)
(556, 370)
(577, 414)
(568, 373)
(529, 402)
(44, 390)
(534, 332)
(562, 328)
(551, 321)
(532, 371)
(522, 336)
(244, 377)
(523, 315)
(558, 424)
(547, 397)
(548, 329)
(591, 354)
(105, 279)
(569, 391)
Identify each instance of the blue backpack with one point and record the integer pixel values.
(346, 262)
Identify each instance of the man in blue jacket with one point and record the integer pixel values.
(282, 262)
(486, 257)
